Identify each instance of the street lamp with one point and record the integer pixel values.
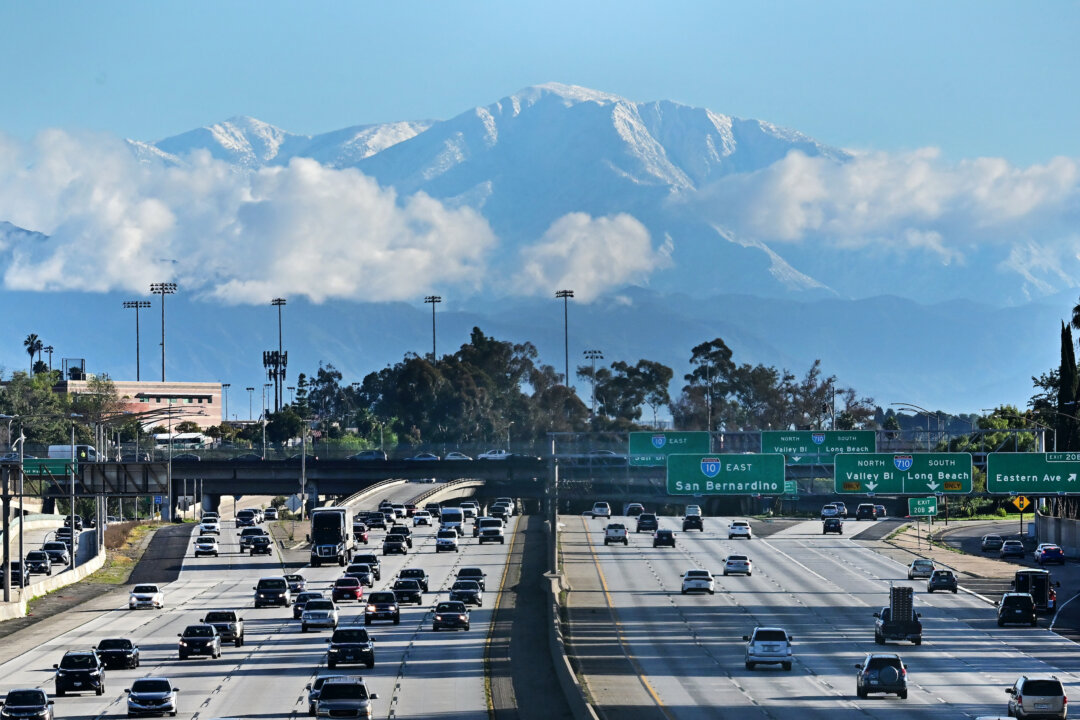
(292, 391)
(566, 295)
(593, 355)
(925, 412)
(434, 300)
(135, 305)
(250, 390)
(163, 289)
(225, 389)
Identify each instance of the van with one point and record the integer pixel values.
(83, 453)
(451, 518)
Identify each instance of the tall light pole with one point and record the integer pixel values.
(593, 355)
(265, 386)
(135, 305)
(225, 391)
(566, 295)
(281, 360)
(434, 300)
(163, 289)
(292, 391)
(250, 390)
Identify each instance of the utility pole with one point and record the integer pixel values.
(135, 305)
(162, 289)
(278, 362)
(565, 295)
(593, 355)
(434, 300)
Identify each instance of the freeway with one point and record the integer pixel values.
(417, 673)
(648, 651)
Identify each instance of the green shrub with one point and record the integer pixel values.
(1000, 512)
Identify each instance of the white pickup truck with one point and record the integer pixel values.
(616, 532)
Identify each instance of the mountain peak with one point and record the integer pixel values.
(570, 94)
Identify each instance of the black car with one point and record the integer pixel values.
(832, 525)
(402, 530)
(261, 545)
(408, 591)
(468, 592)
(362, 572)
(693, 522)
(80, 671)
(302, 599)
(1017, 608)
(67, 536)
(18, 577)
(382, 605)
(647, 522)
(78, 521)
(417, 574)
(866, 511)
(394, 544)
(27, 703)
(39, 562)
(473, 573)
(450, 615)
(118, 653)
(350, 645)
(199, 640)
(941, 580)
(372, 561)
(663, 538)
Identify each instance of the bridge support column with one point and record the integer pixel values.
(312, 490)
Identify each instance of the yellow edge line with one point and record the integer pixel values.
(619, 628)
(494, 617)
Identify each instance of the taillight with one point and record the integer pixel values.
(903, 672)
(1019, 699)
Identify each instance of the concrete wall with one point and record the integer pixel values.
(17, 608)
(1061, 531)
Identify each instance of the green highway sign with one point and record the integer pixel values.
(922, 507)
(809, 447)
(651, 449)
(1032, 473)
(725, 474)
(903, 473)
(47, 466)
(791, 487)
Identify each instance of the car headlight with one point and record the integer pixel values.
(183, 644)
(438, 617)
(371, 608)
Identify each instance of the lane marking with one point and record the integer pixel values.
(494, 619)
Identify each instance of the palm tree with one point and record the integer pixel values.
(33, 346)
(1075, 322)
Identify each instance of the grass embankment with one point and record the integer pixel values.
(123, 548)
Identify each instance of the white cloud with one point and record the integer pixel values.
(589, 256)
(117, 223)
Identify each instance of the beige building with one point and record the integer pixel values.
(198, 402)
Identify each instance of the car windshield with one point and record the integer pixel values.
(444, 534)
(406, 585)
(347, 582)
(411, 573)
(145, 589)
(737, 558)
(206, 539)
(1043, 688)
(306, 596)
(78, 662)
(740, 523)
(36, 556)
(923, 563)
(23, 698)
(114, 644)
(220, 616)
(319, 605)
(350, 636)
(697, 574)
(198, 631)
(466, 585)
(294, 578)
(1017, 601)
(151, 685)
(343, 691)
(361, 568)
(382, 597)
(770, 636)
(450, 607)
(943, 573)
(273, 584)
(55, 546)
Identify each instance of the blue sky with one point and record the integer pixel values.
(972, 78)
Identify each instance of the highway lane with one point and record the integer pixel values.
(689, 652)
(418, 673)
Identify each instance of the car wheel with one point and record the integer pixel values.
(712, 592)
(902, 694)
(749, 665)
(367, 621)
(684, 591)
(1001, 623)
(725, 573)
(930, 590)
(331, 664)
(918, 641)
(749, 574)
(730, 537)
(239, 643)
(370, 664)
(954, 591)
(183, 657)
(303, 628)
(861, 693)
(786, 666)
(397, 620)
(60, 693)
(100, 690)
(1034, 623)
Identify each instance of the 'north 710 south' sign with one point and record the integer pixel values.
(903, 473)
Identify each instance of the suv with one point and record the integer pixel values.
(768, 645)
(408, 591)
(832, 525)
(866, 511)
(362, 572)
(38, 561)
(881, 673)
(404, 531)
(246, 518)
(58, 552)
(1016, 608)
(829, 510)
(616, 532)
(314, 689)
(473, 573)
(28, 703)
(920, 568)
(633, 509)
(1037, 696)
(350, 645)
(693, 522)
(446, 540)
(663, 538)
(80, 671)
(395, 544)
(647, 522)
(272, 591)
(228, 624)
(841, 509)
(382, 605)
(345, 697)
(941, 580)
(601, 510)
(372, 561)
(417, 574)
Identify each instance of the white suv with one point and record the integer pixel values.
(739, 528)
(693, 510)
(601, 510)
(768, 645)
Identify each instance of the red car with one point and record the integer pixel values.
(360, 531)
(347, 588)
(410, 509)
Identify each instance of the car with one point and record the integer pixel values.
(510, 503)
(601, 510)
(67, 536)
(247, 518)
(494, 455)
(866, 511)
(647, 522)
(302, 600)
(881, 673)
(350, 645)
(376, 520)
(468, 592)
(273, 590)
(423, 457)
(247, 535)
(27, 703)
(633, 509)
(991, 543)
(832, 525)
(616, 533)
(152, 696)
(360, 532)
(229, 624)
(841, 509)
(271, 513)
(209, 526)
(829, 510)
(186, 457)
(920, 568)
(738, 564)
(768, 645)
(319, 614)
(118, 653)
(739, 528)
(362, 572)
(417, 574)
(1037, 696)
(372, 561)
(395, 545)
(297, 582)
(206, 545)
(695, 580)
(470, 509)
(492, 532)
(38, 562)
(367, 456)
(314, 689)
(1049, 553)
(663, 538)
(404, 531)
(345, 698)
(18, 577)
(408, 591)
(450, 615)
(1018, 608)
(693, 522)
(500, 511)
(78, 521)
(1011, 548)
(382, 605)
(881, 512)
(202, 639)
(347, 588)
(446, 540)
(941, 580)
(434, 508)
(58, 552)
(79, 671)
(456, 456)
(473, 573)
(146, 596)
(421, 517)
(693, 510)
(208, 515)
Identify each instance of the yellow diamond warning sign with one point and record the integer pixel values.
(1021, 503)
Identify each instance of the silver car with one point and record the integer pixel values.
(151, 696)
(1041, 696)
(768, 645)
(319, 614)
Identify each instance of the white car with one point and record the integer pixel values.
(209, 526)
(421, 517)
(738, 564)
(770, 645)
(601, 510)
(698, 581)
(494, 455)
(470, 509)
(693, 510)
(146, 596)
(446, 540)
(151, 695)
(319, 614)
(739, 528)
(206, 545)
